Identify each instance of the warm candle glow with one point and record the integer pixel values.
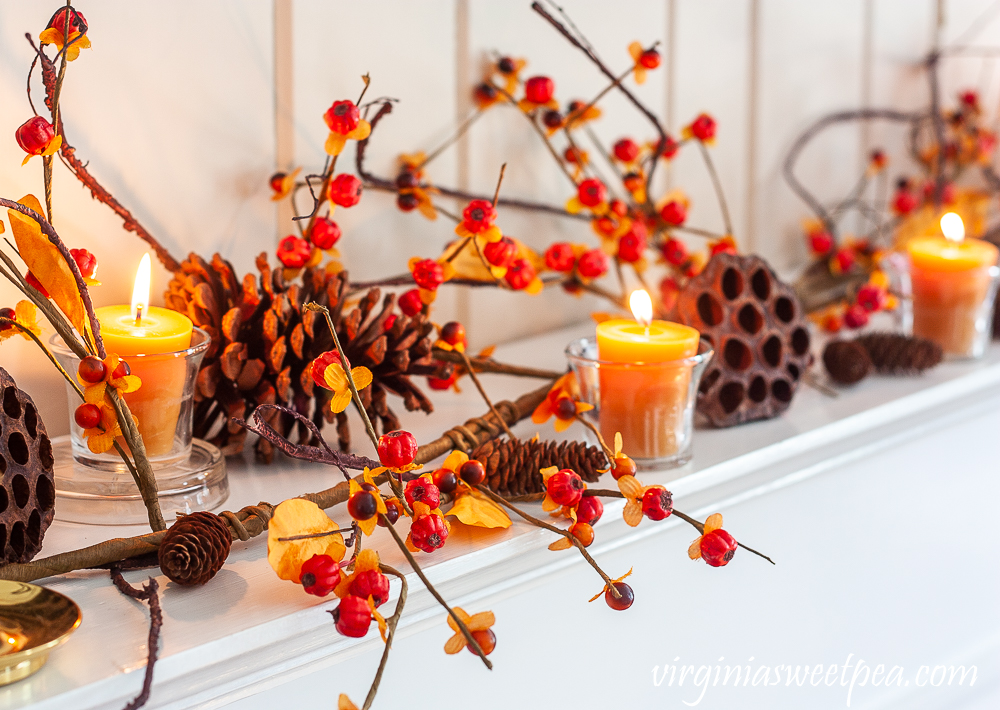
(642, 306)
(140, 292)
(952, 227)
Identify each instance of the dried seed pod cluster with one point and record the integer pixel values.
(27, 488)
(761, 339)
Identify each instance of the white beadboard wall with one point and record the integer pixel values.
(175, 108)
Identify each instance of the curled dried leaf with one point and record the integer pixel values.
(294, 518)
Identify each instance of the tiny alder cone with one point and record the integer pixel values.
(623, 466)
(320, 575)
(657, 503)
(486, 639)
(87, 416)
(622, 602)
(590, 510)
(718, 547)
(539, 89)
(362, 505)
(397, 449)
(371, 583)
(420, 489)
(195, 547)
(565, 487)
(428, 532)
(92, 369)
(446, 480)
(472, 472)
(352, 616)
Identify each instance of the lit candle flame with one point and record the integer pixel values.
(140, 292)
(953, 228)
(642, 307)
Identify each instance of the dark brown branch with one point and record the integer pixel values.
(488, 364)
(149, 595)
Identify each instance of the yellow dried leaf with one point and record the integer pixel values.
(713, 522)
(344, 703)
(455, 644)
(630, 486)
(474, 508)
(694, 551)
(47, 264)
(293, 518)
(632, 512)
(562, 543)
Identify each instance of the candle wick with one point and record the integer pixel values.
(138, 315)
(647, 331)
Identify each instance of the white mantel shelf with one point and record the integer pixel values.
(814, 472)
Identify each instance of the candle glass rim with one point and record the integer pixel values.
(575, 351)
(57, 344)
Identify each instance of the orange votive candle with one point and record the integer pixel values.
(159, 331)
(644, 383)
(951, 279)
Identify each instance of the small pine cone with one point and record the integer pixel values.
(846, 362)
(514, 467)
(195, 548)
(894, 354)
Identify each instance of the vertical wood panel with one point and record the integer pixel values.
(284, 97)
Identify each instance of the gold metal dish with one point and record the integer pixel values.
(33, 621)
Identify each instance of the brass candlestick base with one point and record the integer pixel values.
(33, 621)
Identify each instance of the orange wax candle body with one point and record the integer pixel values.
(157, 403)
(950, 282)
(645, 402)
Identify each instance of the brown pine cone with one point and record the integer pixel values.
(513, 467)
(264, 343)
(195, 548)
(895, 354)
(846, 361)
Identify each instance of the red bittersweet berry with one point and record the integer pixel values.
(844, 260)
(591, 192)
(397, 449)
(820, 242)
(478, 216)
(520, 274)
(277, 182)
(320, 575)
(565, 487)
(77, 22)
(294, 252)
(623, 466)
(631, 247)
(485, 92)
(472, 472)
(446, 480)
(323, 361)
(674, 213)
(36, 284)
(904, 202)
(657, 503)
(650, 59)
(500, 253)
(626, 150)
(371, 583)
(34, 135)
(9, 314)
(87, 416)
(453, 333)
(560, 257)
(573, 155)
(442, 383)
(342, 117)
(410, 303)
(553, 119)
(352, 616)
(872, 298)
(669, 292)
(506, 65)
(622, 602)
(486, 639)
(718, 547)
(633, 182)
(675, 251)
(362, 505)
(428, 532)
(589, 510)
(856, 317)
(703, 127)
(92, 369)
(85, 261)
(539, 89)
(123, 370)
(582, 532)
(565, 408)
(406, 180)
(423, 490)
(393, 509)
(428, 274)
(670, 148)
(592, 264)
(345, 190)
(325, 233)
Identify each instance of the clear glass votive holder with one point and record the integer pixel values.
(651, 404)
(955, 309)
(190, 474)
